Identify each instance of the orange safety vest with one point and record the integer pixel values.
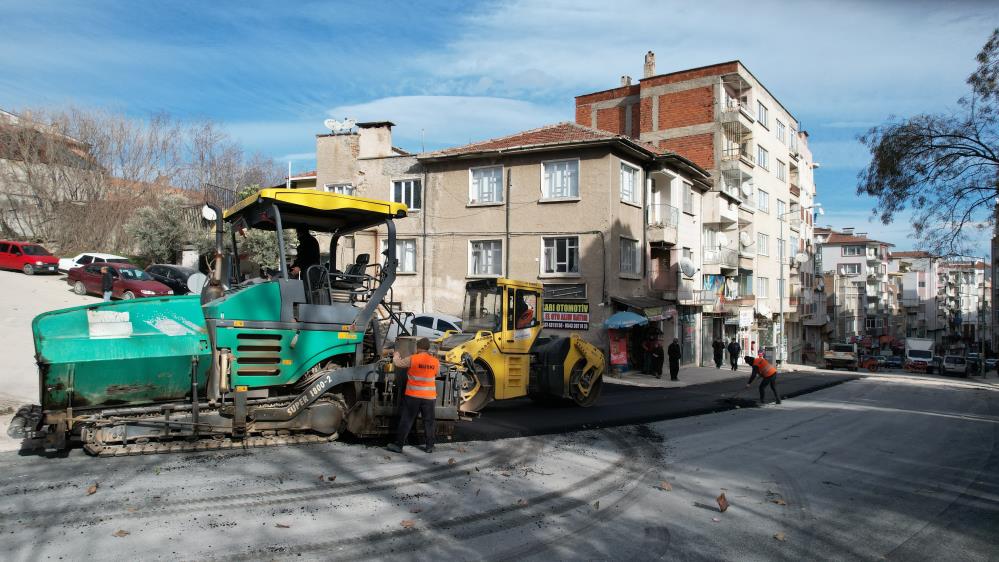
(766, 370)
(422, 376)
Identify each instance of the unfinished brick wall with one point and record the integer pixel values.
(687, 107)
(714, 70)
(583, 115)
(611, 119)
(700, 149)
(645, 115)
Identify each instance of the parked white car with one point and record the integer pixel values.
(65, 264)
(425, 324)
(954, 364)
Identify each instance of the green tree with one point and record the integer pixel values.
(943, 167)
(159, 232)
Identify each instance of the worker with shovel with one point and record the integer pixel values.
(767, 374)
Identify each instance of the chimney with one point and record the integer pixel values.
(375, 139)
(626, 80)
(650, 64)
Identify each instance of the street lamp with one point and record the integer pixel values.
(782, 343)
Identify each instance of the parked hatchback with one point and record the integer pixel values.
(129, 281)
(173, 276)
(65, 264)
(27, 257)
(429, 325)
(954, 365)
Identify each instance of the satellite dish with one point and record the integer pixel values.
(687, 267)
(722, 240)
(196, 282)
(348, 124)
(801, 257)
(331, 124)
(208, 213)
(747, 190)
(745, 239)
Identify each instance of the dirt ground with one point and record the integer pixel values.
(22, 297)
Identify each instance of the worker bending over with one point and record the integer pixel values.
(767, 374)
(420, 396)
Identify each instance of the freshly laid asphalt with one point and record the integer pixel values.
(626, 405)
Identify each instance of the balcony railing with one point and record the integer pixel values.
(794, 189)
(736, 153)
(729, 258)
(661, 221)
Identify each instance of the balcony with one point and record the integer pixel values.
(794, 189)
(736, 115)
(738, 154)
(744, 300)
(724, 258)
(661, 223)
(717, 208)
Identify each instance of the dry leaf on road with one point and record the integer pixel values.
(722, 503)
(521, 502)
(451, 461)
(282, 526)
(715, 519)
(407, 523)
(665, 486)
(781, 537)
(121, 533)
(92, 489)
(596, 504)
(778, 501)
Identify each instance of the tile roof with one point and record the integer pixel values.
(549, 135)
(911, 254)
(840, 238)
(301, 175)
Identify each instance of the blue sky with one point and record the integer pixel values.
(450, 72)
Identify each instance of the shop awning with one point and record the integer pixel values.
(653, 309)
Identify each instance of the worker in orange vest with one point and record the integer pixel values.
(767, 374)
(420, 397)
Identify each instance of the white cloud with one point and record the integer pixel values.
(452, 120)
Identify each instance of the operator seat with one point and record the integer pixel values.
(353, 276)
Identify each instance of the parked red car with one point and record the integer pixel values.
(130, 282)
(28, 257)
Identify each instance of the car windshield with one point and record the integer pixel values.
(955, 360)
(35, 250)
(843, 348)
(482, 310)
(134, 274)
(920, 354)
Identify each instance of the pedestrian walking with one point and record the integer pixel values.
(733, 354)
(420, 396)
(647, 355)
(657, 356)
(719, 352)
(107, 283)
(767, 374)
(674, 359)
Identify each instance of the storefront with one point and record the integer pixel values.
(661, 316)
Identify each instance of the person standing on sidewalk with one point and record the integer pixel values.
(674, 359)
(656, 356)
(719, 352)
(107, 283)
(733, 354)
(420, 396)
(767, 374)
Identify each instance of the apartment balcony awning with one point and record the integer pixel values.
(652, 308)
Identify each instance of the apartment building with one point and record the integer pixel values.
(603, 221)
(757, 217)
(859, 269)
(964, 297)
(919, 302)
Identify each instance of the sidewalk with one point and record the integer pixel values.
(690, 376)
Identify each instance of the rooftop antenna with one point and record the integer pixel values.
(423, 143)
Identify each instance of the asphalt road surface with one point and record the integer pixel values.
(882, 467)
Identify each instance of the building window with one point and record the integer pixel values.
(762, 244)
(485, 185)
(341, 188)
(762, 157)
(405, 252)
(762, 115)
(851, 269)
(629, 256)
(853, 250)
(688, 198)
(781, 209)
(561, 179)
(794, 245)
(485, 257)
(762, 287)
(922, 284)
(780, 131)
(781, 171)
(629, 183)
(409, 192)
(745, 283)
(793, 141)
(560, 255)
(763, 200)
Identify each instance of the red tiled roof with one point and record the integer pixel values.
(300, 175)
(912, 254)
(549, 135)
(840, 238)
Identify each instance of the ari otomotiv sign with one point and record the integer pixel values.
(566, 315)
